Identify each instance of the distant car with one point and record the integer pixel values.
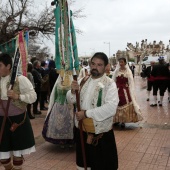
(146, 60)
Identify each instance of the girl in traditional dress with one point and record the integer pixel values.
(58, 126)
(17, 138)
(128, 109)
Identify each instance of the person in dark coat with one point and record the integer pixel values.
(168, 85)
(132, 67)
(31, 79)
(150, 79)
(37, 81)
(143, 67)
(53, 75)
(160, 73)
(44, 85)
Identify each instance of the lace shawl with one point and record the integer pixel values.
(128, 74)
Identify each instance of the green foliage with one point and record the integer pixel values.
(131, 60)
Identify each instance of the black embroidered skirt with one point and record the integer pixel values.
(22, 138)
(103, 156)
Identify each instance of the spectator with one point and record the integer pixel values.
(44, 86)
(150, 79)
(132, 67)
(37, 81)
(30, 77)
(53, 75)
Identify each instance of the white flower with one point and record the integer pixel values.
(100, 85)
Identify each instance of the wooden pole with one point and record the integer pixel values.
(80, 122)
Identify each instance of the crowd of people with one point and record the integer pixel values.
(106, 99)
(43, 77)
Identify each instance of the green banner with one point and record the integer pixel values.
(66, 54)
(10, 46)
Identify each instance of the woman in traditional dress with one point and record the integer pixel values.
(108, 71)
(58, 126)
(128, 109)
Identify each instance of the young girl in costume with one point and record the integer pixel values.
(58, 126)
(128, 110)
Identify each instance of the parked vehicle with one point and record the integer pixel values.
(146, 60)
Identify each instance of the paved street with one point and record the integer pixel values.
(141, 146)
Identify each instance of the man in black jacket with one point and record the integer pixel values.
(160, 73)
(53, 75)
(168, 84)
(132, 67)
(150, 79)
(37, 81)
(44, 85)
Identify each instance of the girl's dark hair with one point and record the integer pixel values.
(101, 56)
(35, 63)
(51, 64)
(29, 67)
(124, 59)
(43, 63)
(6, 59)
(33, 59)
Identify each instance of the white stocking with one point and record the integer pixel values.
(161, 99)
(155, 98)
(148, 93)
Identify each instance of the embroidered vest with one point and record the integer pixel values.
(18, 103)
(88, 125)
(60, 94)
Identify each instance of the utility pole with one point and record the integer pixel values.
(109, 47)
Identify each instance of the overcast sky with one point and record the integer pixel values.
(120, 21)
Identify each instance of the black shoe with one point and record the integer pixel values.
(30, 116)
(147, 99)
(152, 105)
(43, 108)
(122, 125)
(160, 104)
(116, 124)
(37, 113)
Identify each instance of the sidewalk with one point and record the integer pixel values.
(141, 146)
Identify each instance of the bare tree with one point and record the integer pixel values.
(18, 14)
(36, 50)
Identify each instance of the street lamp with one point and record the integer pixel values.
(109, 47)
